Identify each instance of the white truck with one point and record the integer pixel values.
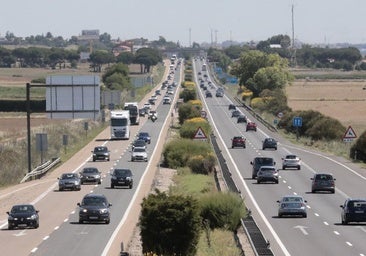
(120, 124)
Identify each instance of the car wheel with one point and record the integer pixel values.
(313, 191)
(99, 182)
(132, 159)
(333, 191)
(112, 185)
(276, 181)
(275, 148)
(304, 215)
(107, 221)
(244, 146)
(344, 222)
(10, 227)
(279, 215)
(36, 225)
(283, 167)
(298, 167)
(263, 148)
(93, 159)
(130, 186)
(60, 189)
(253, 177)
(258, 182)
(81, 221)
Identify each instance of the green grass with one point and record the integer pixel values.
(21, 93)
(217, 243)
(188, 183)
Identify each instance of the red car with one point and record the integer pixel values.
(238, 141)
(251, 126)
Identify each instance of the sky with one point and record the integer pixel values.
(188, 21)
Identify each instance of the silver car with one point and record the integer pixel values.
(292, 205)
(291, 161)
(139, 154)
(266, 174)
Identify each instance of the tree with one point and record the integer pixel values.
(147, 57)
(125, 58)
(99, 58)
(170, 225)
(6, 58)
(116, 77)
(257, 71)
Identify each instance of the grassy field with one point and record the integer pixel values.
(342, 99)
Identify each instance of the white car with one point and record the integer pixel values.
(171, 92)
(153, 113)
(167, 100)
(147, 106)
(139, 154)
(291, 161)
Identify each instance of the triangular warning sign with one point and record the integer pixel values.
(350, 133)
(200, 134)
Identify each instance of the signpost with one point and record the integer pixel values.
(297, 122)
(200, 134)
(349, 135)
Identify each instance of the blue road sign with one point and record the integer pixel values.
(297, 121)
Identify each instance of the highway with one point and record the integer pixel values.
(321, 233)
(60, 232)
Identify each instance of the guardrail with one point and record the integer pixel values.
(41, 169)
(257, 241)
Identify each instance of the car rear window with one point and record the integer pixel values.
(323, 177)
(357, 205)
(264, 161)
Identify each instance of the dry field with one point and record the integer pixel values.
(344, 100)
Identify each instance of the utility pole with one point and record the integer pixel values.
(293, 48)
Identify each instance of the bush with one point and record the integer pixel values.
(178, 153)
(222, 210)
(170, 225)
(314, 125)
(187, 111)
(358, 150)
(188, 94)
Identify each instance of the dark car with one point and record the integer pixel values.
(69, 181)
(142, 112)
(232, 107)
(121, 177)
(241, 119)
(94, 208)
(208, 94)
(23, 215)
(353, 210)
(269, 143)
(323, 182)
(267, 173)
(90, 175)
(261, 161)
(238, 141)
(139, 144)
(144, 136)
(235, 113)
(101, 153)
(251, 126)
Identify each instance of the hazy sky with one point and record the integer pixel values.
(316, 21)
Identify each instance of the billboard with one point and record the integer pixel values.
(73, 97)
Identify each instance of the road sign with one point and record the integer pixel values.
(297, 121)
(349, 135)
(203, 114)
(200, 134)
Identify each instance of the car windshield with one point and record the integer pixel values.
(93, 200)
(100, 149)
(22, 208)
(264, 161)
(139, 143)
(323, 177)
(139, 150)
(90, 170)
(357, 205)
(143, 134)
(122, 172)
(291, 157)
(68, 176)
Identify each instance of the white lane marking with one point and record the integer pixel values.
(289, 187)
(21, 233)
(295, 193)
(57, 227)
(349, 244)
(308, 206)
(45, 238)
(302, 229)
(362, 228)
(66, 220)
(284, 181)
(316, 214)
(34, 250)
(326, 223)
(73, 212)
(336, 232)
